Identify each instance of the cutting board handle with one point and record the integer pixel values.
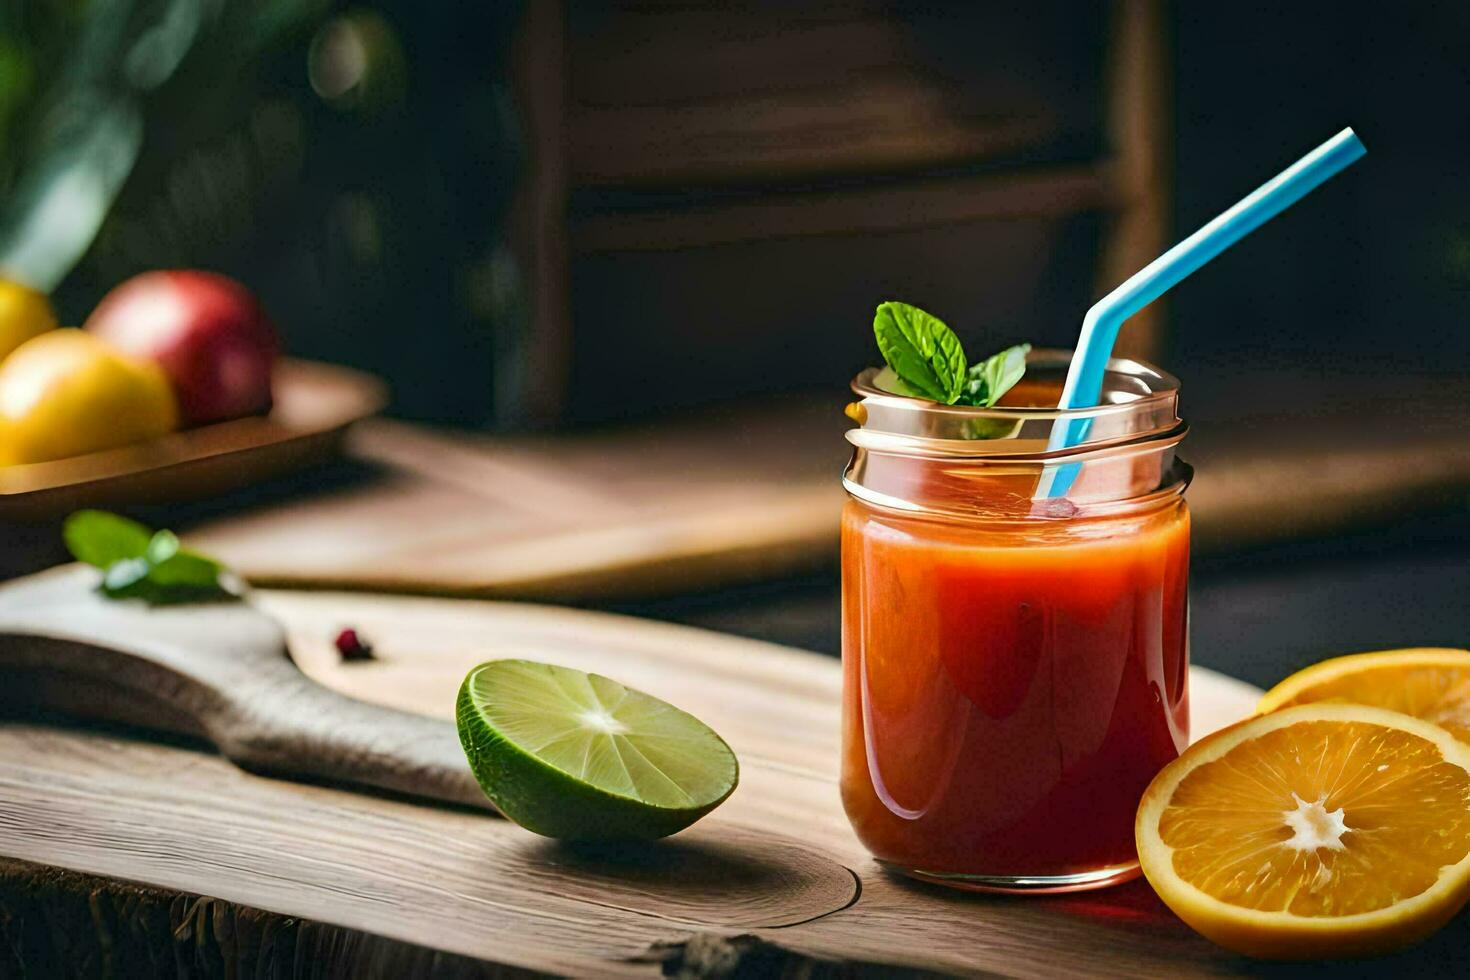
(220, 672)
(300, 729)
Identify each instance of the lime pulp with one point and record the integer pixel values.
(579, 756)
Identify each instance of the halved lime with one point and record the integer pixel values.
(581, 757)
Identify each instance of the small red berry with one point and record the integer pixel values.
(352, 647)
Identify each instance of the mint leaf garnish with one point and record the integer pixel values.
(187, 570)
(125, 575)
(99, 538)
(925, 354)
(138, 563)
(888, 380)
(996, 375)
(926, 360)
(161, 547)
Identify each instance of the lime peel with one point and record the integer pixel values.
(579, 756)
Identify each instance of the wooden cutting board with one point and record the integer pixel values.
(168, 853)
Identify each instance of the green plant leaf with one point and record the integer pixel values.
(887, 379)
(102, 539)
(50, 218)
(141, 564)
(125, 577)
(161, 547)
(996, 375)
(185, 568)
(922, 350)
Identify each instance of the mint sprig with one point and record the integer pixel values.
(996, 375)
(922, 350)
(928, 360)
(139, 563)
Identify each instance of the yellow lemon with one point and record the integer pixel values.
(1432, 684)
(65, 393)
(24, 313)
(1324, 830)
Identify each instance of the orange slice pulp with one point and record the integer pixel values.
(1432, 684)
(1321, 830)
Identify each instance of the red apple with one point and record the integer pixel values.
(207, 332)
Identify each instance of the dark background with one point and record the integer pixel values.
(375, 222)
(1360, 290)
(379, 209)
(1372, 277)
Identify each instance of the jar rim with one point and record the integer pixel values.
(916, 455)
(1140, 404)
(1161, 386)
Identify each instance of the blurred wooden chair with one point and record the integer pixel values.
(715, 197)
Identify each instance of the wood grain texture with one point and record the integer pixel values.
(1044, 192)
(742, 495)
(695, 94)
(219, 671)
(562, 517)
(958, 150)
(452, 880)
(52, 920)
(753, 883)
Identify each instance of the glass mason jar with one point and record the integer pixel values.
(1015, 670)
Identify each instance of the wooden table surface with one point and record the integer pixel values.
(646, 510)
(777, 863)
(176, 856)
(737, 495)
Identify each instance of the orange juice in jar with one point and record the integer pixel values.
(1015, 669)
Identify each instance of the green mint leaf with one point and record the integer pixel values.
(161, 547)
(187, 569)
(922, 350)
(996, 375)
(125, 576)
(138, 563)
(175, 566)
(887, 379)
(101, 539)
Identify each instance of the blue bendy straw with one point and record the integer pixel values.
(1100, 327)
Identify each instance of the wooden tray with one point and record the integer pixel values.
(170, 854)
(314, 404)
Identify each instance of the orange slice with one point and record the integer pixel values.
(1324, 830)
(1430, 684)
